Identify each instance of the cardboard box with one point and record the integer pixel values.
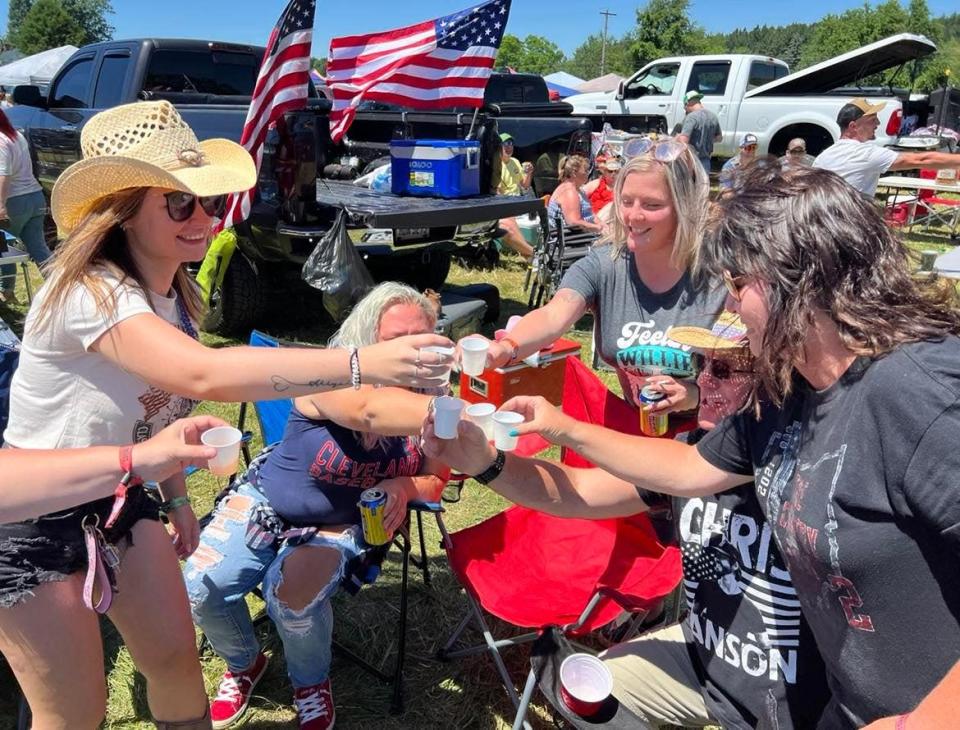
(499, 385)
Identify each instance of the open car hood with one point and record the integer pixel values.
(848, 68)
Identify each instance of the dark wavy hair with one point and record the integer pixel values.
(818, 244)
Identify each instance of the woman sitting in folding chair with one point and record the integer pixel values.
(637, 285)
(292, 522)
(743, 657)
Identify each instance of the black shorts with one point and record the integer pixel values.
(51, 548)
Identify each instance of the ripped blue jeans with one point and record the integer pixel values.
(224, 569)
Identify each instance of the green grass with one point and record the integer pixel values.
(461, 694)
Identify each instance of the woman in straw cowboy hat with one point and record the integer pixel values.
(110, 355)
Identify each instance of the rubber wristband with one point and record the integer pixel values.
(516, 347)
(173, 503)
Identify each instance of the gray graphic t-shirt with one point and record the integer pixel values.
(633, 323)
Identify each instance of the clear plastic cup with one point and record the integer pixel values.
(226, 440)
(473, 355)
(446, 416)
(482, 415)
(585, 682)
(445, 351)
(503, 423)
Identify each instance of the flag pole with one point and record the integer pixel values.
(473, 122)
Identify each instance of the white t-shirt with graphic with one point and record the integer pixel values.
(859, 163)
(64, 395)
(633, 323)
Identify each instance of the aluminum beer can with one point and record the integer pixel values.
(372, 503)
(652, 424)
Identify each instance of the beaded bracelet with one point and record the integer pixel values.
(173, 503)
(355, 368)
(902, 721)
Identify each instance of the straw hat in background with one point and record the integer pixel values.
(727, 334)
(146, 144)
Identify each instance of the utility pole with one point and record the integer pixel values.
(603, 48)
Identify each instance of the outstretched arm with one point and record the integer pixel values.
(383, 411)
(929, 160)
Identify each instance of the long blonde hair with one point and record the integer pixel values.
(99, 242)
(689, 193)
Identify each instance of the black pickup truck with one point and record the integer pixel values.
(304, 178)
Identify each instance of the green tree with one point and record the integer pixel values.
(664, 29)
(510, 54)
(320, 64)
(91, 15)
(16, 12)
(540, 55)
(48, 25)
(585, 61)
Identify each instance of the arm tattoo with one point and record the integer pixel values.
(281, 384)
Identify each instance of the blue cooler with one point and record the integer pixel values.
(435, 168)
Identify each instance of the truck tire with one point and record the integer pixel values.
(816, 137)
(238, 303)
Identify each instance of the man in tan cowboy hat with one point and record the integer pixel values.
(862, 164)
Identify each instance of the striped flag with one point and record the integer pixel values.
(431, 65)
(281, 86)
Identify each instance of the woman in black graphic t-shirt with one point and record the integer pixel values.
(853, 443)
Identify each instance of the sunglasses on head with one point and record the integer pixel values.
(716, 368)
(180, 205)
(662, 150)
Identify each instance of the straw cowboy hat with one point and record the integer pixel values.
(146, 144)
(728, 333)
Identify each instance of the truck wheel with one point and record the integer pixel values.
(237, 304)
(816, 137)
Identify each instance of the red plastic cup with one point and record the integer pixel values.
(585, 683)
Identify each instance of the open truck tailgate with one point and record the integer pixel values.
(385, 210)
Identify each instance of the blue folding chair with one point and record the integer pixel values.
(272, 418)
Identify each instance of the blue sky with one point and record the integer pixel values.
(567, 23)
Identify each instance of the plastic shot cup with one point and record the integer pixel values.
(226, 440)
(503, 423)
(446, 416)
(585, 683)
(482, 415)
(445, 351)
(473, 355)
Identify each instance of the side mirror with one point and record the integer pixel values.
(620, 88)
(27, 95)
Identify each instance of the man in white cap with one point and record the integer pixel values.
(862, 164)
(747, 154)
(701, 127)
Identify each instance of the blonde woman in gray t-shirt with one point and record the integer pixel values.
(637, 284)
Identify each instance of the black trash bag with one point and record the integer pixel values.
(336, 268)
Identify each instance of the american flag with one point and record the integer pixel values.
(281, 86)
(431, 65)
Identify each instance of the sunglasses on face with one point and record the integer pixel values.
(797, 151)
(734, 284)
(716, 368)
(180, 205)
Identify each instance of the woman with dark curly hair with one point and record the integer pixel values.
(852, 441)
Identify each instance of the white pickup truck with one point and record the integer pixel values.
(757, 94)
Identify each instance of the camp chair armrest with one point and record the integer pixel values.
(417, 505)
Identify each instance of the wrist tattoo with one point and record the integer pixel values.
(281, 384)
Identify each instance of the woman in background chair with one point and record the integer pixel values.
(302, 493)
(569, 197)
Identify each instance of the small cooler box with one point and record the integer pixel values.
(435, 168)
(502, 384)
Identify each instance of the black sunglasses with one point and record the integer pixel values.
(716, 368)
(180, 205)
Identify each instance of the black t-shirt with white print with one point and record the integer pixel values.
(755, 656)
(861, 484)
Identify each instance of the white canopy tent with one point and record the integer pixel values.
(37, 69)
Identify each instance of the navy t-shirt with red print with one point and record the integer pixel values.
(316, 473)
(861, 485)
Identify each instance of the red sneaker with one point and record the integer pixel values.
(315, 706)
(234, 694)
